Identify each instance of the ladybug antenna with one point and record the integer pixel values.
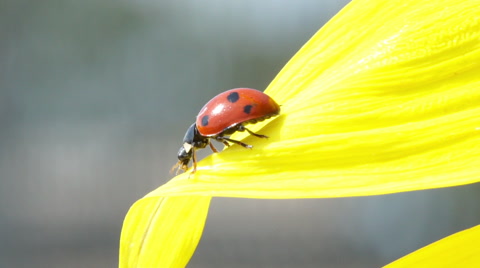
(185, 154)
(176, 166)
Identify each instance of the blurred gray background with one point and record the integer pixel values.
(95, 97)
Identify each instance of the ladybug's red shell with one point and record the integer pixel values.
(232, 107)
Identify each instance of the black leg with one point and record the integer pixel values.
(224, 139)
(226, 143)
(213, 147)
(194, 157)
(242, 128)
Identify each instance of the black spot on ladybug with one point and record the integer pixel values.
(247, 109)
(233, 97)
(205, 120)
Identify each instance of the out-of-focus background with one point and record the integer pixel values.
(95, 97)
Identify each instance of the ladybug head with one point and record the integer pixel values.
(184, 157)
(192, 140)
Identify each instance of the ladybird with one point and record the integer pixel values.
(223, 115)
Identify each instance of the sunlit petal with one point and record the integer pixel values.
(383, 99)
(162, 232)
(459, 250)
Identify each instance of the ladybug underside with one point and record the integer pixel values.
(235, 127)
(194, 140)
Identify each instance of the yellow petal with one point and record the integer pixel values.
(385, 98)
(458, 250)
(162, 232)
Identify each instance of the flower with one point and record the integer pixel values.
(383, 99)
(458, 250)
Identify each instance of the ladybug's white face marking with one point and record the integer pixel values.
(187, 147)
